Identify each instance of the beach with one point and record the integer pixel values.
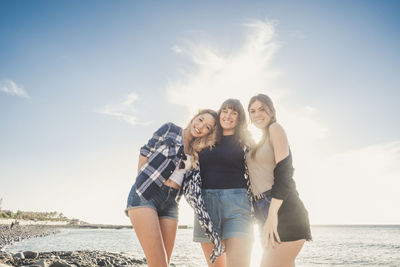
(93, 245)
(26, 230)
(67, 259)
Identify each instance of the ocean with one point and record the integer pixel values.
(331, 246)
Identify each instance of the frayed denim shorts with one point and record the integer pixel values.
(261, 208)
(230, 214)
(163, 202)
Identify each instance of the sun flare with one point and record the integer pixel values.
(255, 133)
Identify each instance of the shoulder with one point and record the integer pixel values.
(277, 134)
(276, 130)
(173, 128)
(168, 127)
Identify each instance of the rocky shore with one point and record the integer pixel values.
(21, 232)
(68, 259)
(55, 258)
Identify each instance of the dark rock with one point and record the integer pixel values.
(41, 263)
(19, 255)
(31, 254)
(60, 264)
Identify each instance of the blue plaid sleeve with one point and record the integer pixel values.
(148, 148)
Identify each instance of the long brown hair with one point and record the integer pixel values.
(198, 144)
(268, 104)
(242, 134)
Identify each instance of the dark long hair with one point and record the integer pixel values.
(268, 104)
(242, 134)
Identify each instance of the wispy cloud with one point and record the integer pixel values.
(338, 185)
(124, 111)
(11, 88)
(241, 74)
(219, 75)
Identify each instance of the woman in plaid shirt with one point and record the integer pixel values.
(153, 200)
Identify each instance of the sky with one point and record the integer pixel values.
(84, 84)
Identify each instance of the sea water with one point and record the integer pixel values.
(331, 245)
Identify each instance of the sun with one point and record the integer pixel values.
(255, 133)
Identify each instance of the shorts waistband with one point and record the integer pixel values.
(167, 188)
(262, 195)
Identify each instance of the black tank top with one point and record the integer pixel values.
(222, 167)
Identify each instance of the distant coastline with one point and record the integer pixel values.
(65, 224)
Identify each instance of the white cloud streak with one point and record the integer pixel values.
(124, 111)
(11, 88)
(337, 186)
(218, 76)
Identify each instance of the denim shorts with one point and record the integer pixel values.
(163, 202)
(230, 214)
(261, 208)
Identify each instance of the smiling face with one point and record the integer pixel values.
(228, 120)
(260, 115)
(202, 125)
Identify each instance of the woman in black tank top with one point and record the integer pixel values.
(224, 189)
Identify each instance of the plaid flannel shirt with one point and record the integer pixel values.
(163, 151)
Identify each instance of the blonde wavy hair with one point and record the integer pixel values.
(207, 141)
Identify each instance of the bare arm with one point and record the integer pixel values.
(279, 142)
(280, 145)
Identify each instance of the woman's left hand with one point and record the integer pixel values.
(270, 231)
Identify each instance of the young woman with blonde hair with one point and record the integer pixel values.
(152, 204)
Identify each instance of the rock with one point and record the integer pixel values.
(19, 255)
(31, 254)
(4, 265)
(5, 255)
(41, 263)
(60, 264)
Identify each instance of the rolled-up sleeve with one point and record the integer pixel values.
(149, 148)
(283, 179)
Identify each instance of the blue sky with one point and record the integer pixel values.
(84, 84)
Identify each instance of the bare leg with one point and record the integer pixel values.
(168, 231)
(147, 227)
(283, 255)
(207, 249)
(238, 251)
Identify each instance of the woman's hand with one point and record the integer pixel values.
(270, 235)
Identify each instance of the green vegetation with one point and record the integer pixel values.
(35, 216)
